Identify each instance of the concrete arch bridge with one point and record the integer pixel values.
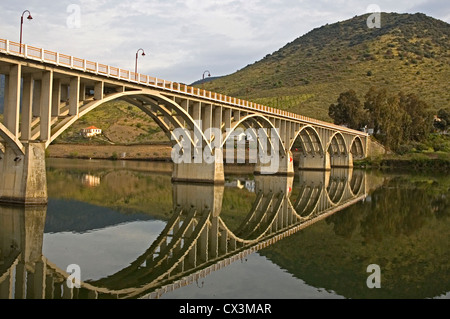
(47, 91)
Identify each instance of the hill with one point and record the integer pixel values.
(205, 80)
(409, 53)
(121, 123)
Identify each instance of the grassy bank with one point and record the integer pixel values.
(431, 154)
(424, 161)
(154, 152)
(159, 152)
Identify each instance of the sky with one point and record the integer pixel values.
(184, 40)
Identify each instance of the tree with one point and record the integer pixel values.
(348, 110)
(395, 123)
(420, 119)
(386, 116)
(376, 105)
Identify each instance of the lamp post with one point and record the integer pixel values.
(203, 78)
(135, 67)
(209, 74)
(21, 24)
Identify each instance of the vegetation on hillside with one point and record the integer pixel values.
(396, 119)
(409, 53)
(393, 79)
(403, 123)
(121, 123)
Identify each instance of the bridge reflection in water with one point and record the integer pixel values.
(194, 243)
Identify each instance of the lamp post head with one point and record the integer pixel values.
(137, 52)
(209, 74)
(29, 15)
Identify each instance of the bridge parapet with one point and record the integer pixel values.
(67, 61)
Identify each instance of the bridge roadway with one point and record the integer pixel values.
(58, 89)
(195, 241)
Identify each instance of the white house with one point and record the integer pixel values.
(90, 131)
(90, 180)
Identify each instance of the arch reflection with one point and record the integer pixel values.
(194, 242)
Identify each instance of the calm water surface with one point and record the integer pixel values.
(111, 219)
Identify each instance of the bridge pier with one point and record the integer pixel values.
(23, 176)
(315, 178)
(202, 173)
(343, 160)
(317, 162)
(21, 239)
(207, 199)
(274, 184)
(201, 196)
(278, 165)
(205, 172)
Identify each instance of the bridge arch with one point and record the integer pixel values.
(313, 155)
(308, 199)
(164, 111)
(11, 141)
(256, 119)
(310, 140)
(336, 189)
(272, 156)
(356, 183)
(337, 145)
(357, 148)
(338, 151)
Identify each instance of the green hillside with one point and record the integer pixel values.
(409, 53)
(121, 123)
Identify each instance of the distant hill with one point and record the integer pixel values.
(409, 53)
(205, 80)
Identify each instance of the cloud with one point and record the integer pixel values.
(436, 8)
(182, 38)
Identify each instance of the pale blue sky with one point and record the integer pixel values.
(183, 38)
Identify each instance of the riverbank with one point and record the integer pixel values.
(162, 152)
(153, 152)
(142, 152)
(436, 161)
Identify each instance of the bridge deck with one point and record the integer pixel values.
(67, 61)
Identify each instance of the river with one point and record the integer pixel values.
(344, 234)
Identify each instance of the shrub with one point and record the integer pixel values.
(403, 149)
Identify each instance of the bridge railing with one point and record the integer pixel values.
(47, 56)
